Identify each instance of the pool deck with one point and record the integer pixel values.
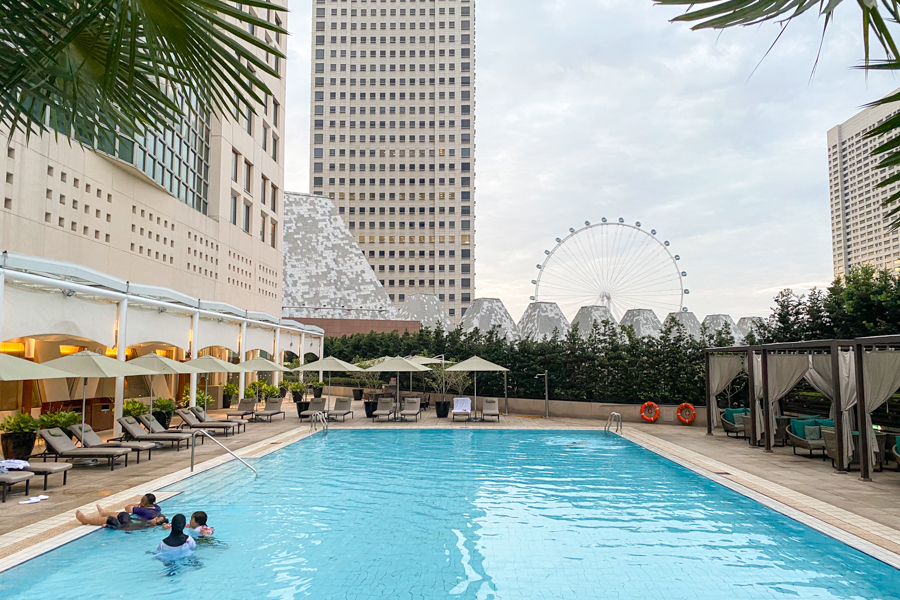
(870, 511)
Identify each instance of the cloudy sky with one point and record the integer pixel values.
(593, 108)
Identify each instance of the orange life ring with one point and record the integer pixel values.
(649, 411)
(688, 408)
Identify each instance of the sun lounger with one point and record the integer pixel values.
(246, 408)
(7, 480)
(384, 408)
(341, 409)
(273, 408)
(490, 408)
(204, 417)
(462, 407)
(317, 405)
(732, 421)
(47, 469)
(90, 439)
(134, 429)
(411, 408)
(190, 420)
(60, 445)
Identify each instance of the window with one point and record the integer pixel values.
(275, 113)
(248, 175)
(234, 209)
(265, 137)
(273, 200)
(247, 218)
(274, 148)
(235, 161)
(262, 190)
(262, 227)
(273, 235)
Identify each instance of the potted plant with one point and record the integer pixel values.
(133, 408)
(365, 380)
(203, 400)
(272, 391)
(19, 433)
(61, 418)
(440, 382)
(229, 391)
(317, 388)
(299, 402)
(163, 409)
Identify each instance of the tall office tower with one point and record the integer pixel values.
(860, 232)
(393, 138)
(195, 208)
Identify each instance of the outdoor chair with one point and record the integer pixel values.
(829, 436)
(204, 417)
(748, 427)
(85, 434)
(809, 445)
(273, 408)
(384, 408)
(412, 408)
(462, 407)
(490, 408)
(341, 409)
(316, 405)
(191, 421)
(732, 422)
(246, 408)
(7, 480)
(60, 445)
(133, 428)
(47, 469)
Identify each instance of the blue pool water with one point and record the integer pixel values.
(464, 514)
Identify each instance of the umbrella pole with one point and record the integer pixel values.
(397, 413)
(476, 396)
(83, 408)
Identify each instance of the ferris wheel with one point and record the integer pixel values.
(613, 264)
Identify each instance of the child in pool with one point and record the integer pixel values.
(178, 544)
(197, 527)
(148, 509)
(118, 520)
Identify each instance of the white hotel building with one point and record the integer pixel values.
(392, 138)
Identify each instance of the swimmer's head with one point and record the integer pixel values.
(148, 500)
(198, 519)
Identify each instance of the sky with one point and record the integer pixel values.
(604, 108)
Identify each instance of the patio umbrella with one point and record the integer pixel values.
(89, 364)
(18, 369)
(478, 365)
(263, 365)
(210, 364)
(421, 360)
(329, 364)
(163, 366)
(399, 365)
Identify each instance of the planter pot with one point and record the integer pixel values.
(17, 446)
(226, 401)
(358, 394)
(301, 406)
(442, 409)
(164, 418)
(370, 407)
(317, 392)
(297, 396)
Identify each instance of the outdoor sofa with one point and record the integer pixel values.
(732, 421)
(801, 431)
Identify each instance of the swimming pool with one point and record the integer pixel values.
(464, 514)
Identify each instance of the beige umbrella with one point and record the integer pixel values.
(89, 364)
(329, 364)
(422, 360)
(399, 365)
(475, 365)
(211, 364)
(163, 366)
(260, 364)
(19, 369)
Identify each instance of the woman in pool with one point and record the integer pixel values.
(148, 509)
(178, 544)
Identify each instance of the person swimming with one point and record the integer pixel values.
(196, 527)
(118, 520)
(148, 509)
(178, 544)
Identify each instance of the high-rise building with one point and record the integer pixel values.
(196, 208)
(860, 231)
(393, 138)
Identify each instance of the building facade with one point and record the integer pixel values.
(392, 135)
(196, 208)
(860, 232)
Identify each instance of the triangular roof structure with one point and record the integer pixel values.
(485, 314)
(643, 320)
(718, 322)
(747, 325)
(542, 320)
(427, 310)
(690, 322)
(588, 315)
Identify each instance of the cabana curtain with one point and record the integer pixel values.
(849, 398)
(722, 370)
(818, 374)
(881, 374)
(784, 371)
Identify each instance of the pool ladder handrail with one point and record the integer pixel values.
(616, 418)
(206, 434)
(318, 417)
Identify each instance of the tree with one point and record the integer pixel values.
(95, 70)
(879, 19)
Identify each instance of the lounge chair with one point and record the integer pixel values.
(829, 436)
(47, 469)
(490, 408)
(204, 417)
(7, 480)
(246, 408)
(60, 445)
(412, 408)
(797, 436)
(732, 421)
(90, 439)
(191, 421)
(317, 405)
(273, 408)
(341, 409)
(134, 429)
(462, 407)
(384, 408)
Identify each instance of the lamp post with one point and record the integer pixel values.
(546, 393)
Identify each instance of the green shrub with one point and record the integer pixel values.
(318, 385)
(19, 423)
(164, 405)
(230, 390)
(62, 419)
(134, 408)
(202, 400)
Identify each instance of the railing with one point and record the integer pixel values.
(318, 417)
(614, 418)
(194, 435)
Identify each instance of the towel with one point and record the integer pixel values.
(14, 464)
(462, 405)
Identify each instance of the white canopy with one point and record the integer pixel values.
(329, 364)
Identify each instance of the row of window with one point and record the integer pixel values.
(467, 80)
(320, 95)
(465, 210)
(464, 225)
(318, 167)
(464, 253)
(464, 268)
(464, 67)
(463, 53)
(463, 25)
(464, 11)
(451, 239)
(393, 152)
(465, 109)
(463, 39)
(463, 124)
(463, 181)
(465, 138)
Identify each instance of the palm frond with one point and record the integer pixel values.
(117, 67)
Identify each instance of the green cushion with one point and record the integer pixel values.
(825, 422)
(798, 427)
(732, 413)
(898, 443)
(813, 432)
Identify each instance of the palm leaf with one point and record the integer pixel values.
(102, 67)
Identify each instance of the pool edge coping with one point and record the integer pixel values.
(37, 532)
(741, 482)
